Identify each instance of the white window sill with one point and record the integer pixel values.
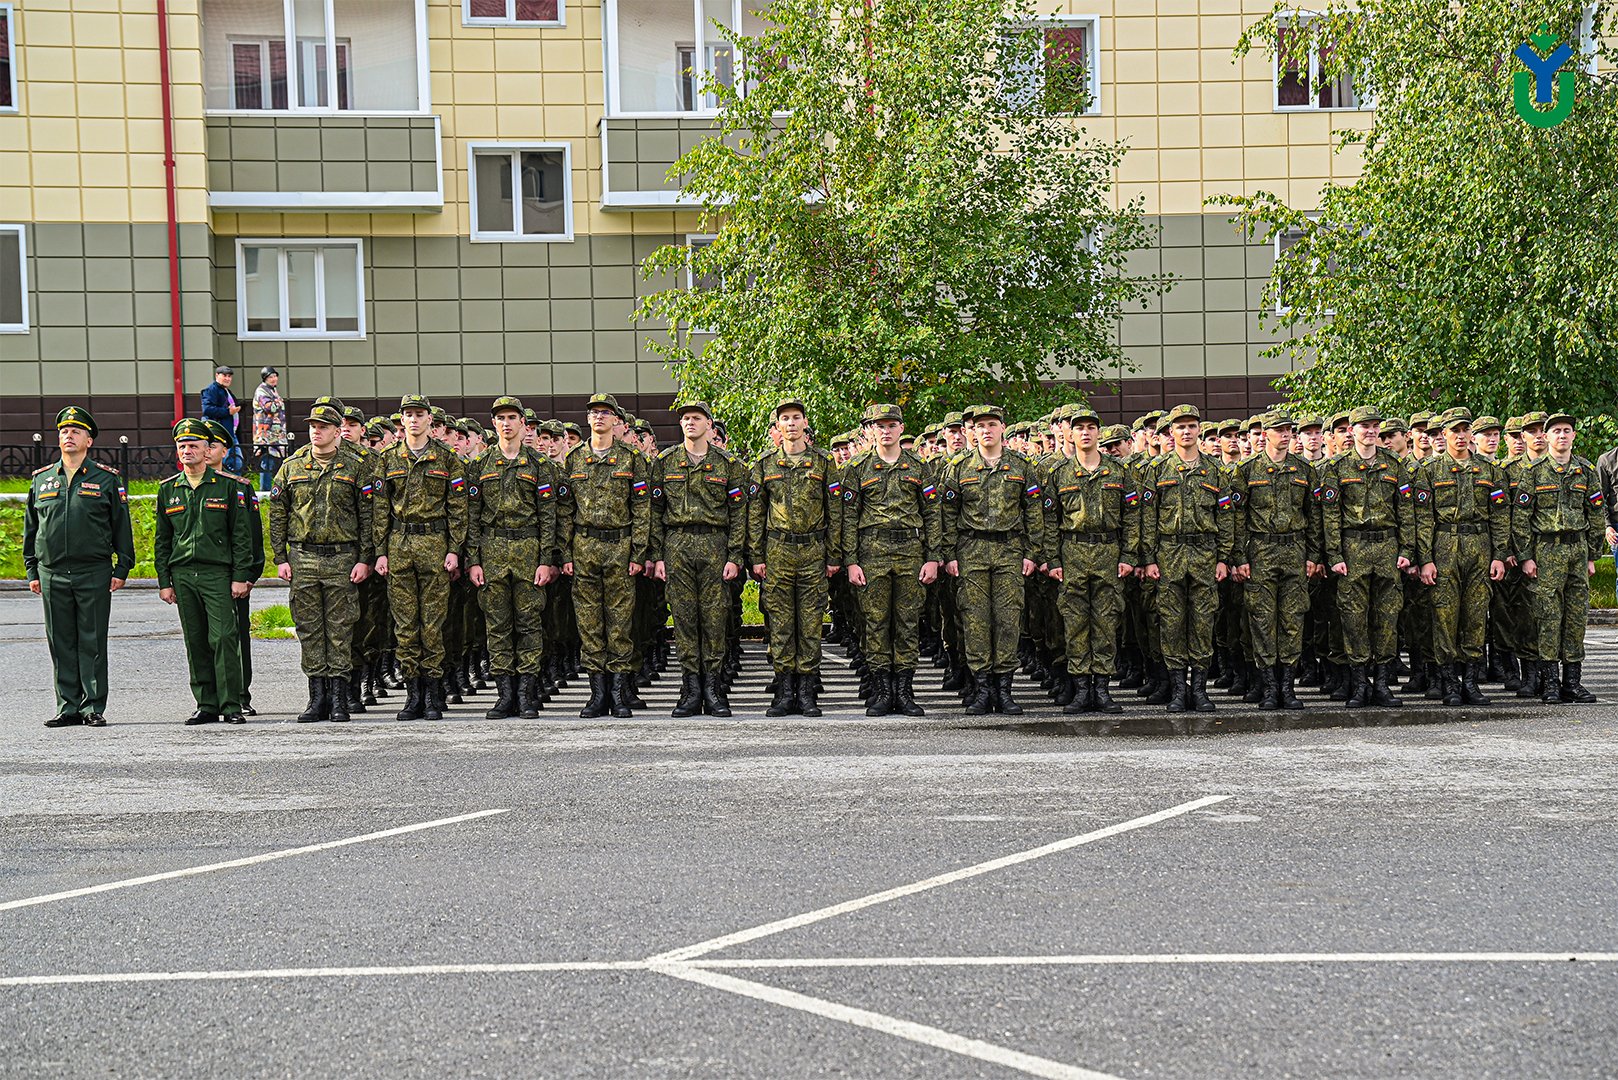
(520, 24)
(299, 337)
(13, 328)
(521, 238)
(315, 113)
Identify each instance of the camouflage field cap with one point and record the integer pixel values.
(641, 426)
(1365, 414)
(415, 401)
(553, 428)
(1229, 427)
(1485, 423)
(324, 414)
(789, 402)
(954, 419)
(189, 429)
(881, 411)
(1254, 422)
(529, 416)
(1393, 425)
(1560, 418)
(692, 406)
(217, 432)
(1309, 420)
(1279, 418)
(507, 403)
(1419, 421)
(1337, 420)
(570, 428)
(841, 439)
(330, 399)
(1180, 412)
(1452, 417)
(1077, 413)
(1113, 435)
(605, 401)
(1208, 427)
(1153, 418)
(74, 416)
(986, 412)
(1514, 425)
(1535, 419)
(354, 413)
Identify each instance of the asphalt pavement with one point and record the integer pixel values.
(945, 896)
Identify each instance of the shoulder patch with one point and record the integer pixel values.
(48, 468)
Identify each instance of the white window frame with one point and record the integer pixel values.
(1364, 102)
(22, 278)
(1092, 62)
(10, 12)
(701, 30)
(280, 244)
(1280, 308)
(702, 239)
(511, 148)
(295, 72)
(1588, 46)
(510, 19)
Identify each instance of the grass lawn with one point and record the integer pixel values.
(271, 622)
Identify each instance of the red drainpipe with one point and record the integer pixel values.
(174, 225)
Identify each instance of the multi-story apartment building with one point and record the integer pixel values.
(453, 195)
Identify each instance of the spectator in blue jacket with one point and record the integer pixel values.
(219, 404)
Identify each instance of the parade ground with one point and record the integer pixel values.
(838, 897)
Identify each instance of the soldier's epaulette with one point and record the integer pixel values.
(666, 451)
(43, 468)
(176, 476)
(230, 476)
(105, 467)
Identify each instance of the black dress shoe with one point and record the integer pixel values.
(65, 720)
(248, 710)
(95, 719)
(200, 717)
(235, 718)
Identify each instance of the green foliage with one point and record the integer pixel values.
(892, 224)
(270, 622)
(1475, 260)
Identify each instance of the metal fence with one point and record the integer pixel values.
(132, 462)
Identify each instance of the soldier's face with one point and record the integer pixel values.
(1487, 442)
(1278, 439)
(990, 432)
(1398, 443)
(1210, 445)
(888, 432)
(73, 440)
(1561, 438)
(791, 423)
(1085, 434)
(216, 454)
(1515, 442)
(322, 436)
(416, 422)
(1229, 444)
(955, 438)
(509, 426)
(1459, 439)
(601, 421)
(1184, 433)
(1342, 434)
(1365, 434)
(695, 425)
(1422, 441)
(1535, 438)
(191, 452)
(1314, 439)
(353, 430)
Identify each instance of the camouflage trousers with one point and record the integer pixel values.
(375, 626)
(1509, 608)
(1187, 600)
(1416, 618)
(890, 602)
(1560, 592)
(1369, 598)
(1276, 596)
(325, 608)
(990, 596)
(604, 603)
(1091, 603)
(698, 596)
(418, 596)
(1460, 599)
(793, 598)
(513, 606)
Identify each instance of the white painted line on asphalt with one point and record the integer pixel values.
(1125, 959)
(249, 861)
(702, 948)
(888, 1025)
(319, 973)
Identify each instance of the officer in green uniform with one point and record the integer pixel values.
(794, 538)
(1092, 532)
(1558, 532)
(77, 550)
(891, 539)
(1367, 507)
(514, 552)
(1188, 538)
(699, 539)
(321, 537)
(219, 445)
(604, 542)
(419, 520)
(204, 556)
(1276, 553)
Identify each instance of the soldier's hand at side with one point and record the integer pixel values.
(544, 575)
(929, 573)
(1221, 571)
(1027, 567)
(1124, 570)
(34, 587)
(283, 571)
(117, 583)
(452, 562)
(831, 571)
(166, 595)
(382, 565)
(1429, 574)
(1612, 536)
(856, 574)
(1340, 569)
(952, 568)
(567, 568)
(1589, 568)
(1243, 572)
(1530, 568)
(635, 568)
(660, 570)
(476, 574)
(1152, 572)
(1404, 563)
(1056, 574)
(360, 572)
(239, 589)
(731, 572)
(758, 571)
(1497, 571)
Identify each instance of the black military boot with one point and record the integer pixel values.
(368, 685)
(528, 701)
(1079, 702)
(1100, 698)
(1332, 678)
(597, 705)
(460, 676)
(622, 686)
(1358, 687)
(806, 694)
(1381, 693)
(904, 694)
(1222, 671)
(449, 689)
(1495, 672)
(318, 707)
(1177, 700)
(1450, 684)
(1550, 691)
(388, 673)
(1255, 684)
(1152, 680)
(1284, 675)
(1162, 685)
(880, 702)
(1197, 692)
(1435, 685)
(1417, 683)
(337, 699)
(785, 694)
(1528, 685)
(505, 698)
(433, 705)
(1132, 674)
(352, 688)
(1270, 687)
(981, 700)
(712, 685)
(413, 705)
(1471, 692)
(1512, 679)
(1003, 701)
(690, 696)
(1572, 690)
(1066, 688)
(1238, 678)
(632, 695)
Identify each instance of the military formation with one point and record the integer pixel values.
(430, 556)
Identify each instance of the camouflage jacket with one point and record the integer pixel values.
(1565, 499)
(1373, 493)
(508, 496)
(1473, 492)
(608, 493)
(311, 503)
(429, 490)
(794, 497)
(713, 493)
(902, 496)
(1103, 500)
(1276, 497)
(1185, 500)
(1005, 497)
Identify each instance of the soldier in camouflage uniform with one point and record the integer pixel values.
(420, 529)
(375, 625)
(605, 542)
(511, 542)
(321, 536)
(994, 536)
(1463, 530)
(1092, 532)
(1558, 532)
(699, 536)
(891, 537)
(1368, 515)
(1276, 545)
(794, 538)
(1188, 538)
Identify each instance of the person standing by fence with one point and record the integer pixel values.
(269, 427)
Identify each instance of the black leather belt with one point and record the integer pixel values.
(885, 533)
(326, 549)
(1370, 534)
(436, 527)
(1566, 536)
(529, 533)
(1092, 537)
(1462, 528)
(605, 535)
(1193, 537)
(796, 537)
(986, 534)
(699, 530)
(1296, 534)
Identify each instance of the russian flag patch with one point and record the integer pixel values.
(458, 482)
(544, 487)
(930, 490)
(1033, 489)
(1498, 495)
(834, 487)
(1404, 489)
